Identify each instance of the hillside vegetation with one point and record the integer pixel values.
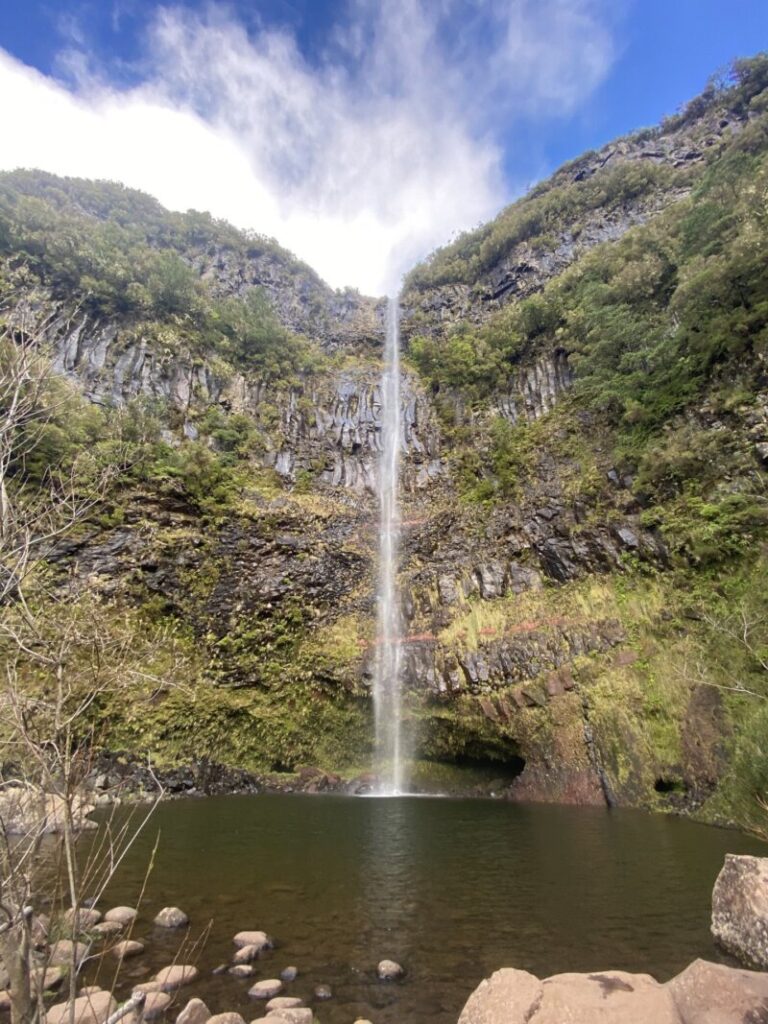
(665, 334)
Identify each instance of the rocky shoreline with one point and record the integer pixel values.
(119, 776)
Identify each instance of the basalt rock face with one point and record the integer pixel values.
(328, 426)
(113, 365)
(520, 273)
(302, 300)
(334, 427)
(534, 389)
(526, 266)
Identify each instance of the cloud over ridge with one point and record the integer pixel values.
(360, 160)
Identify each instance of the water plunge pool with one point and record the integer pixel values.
(453, 889)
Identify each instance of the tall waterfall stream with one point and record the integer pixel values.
(388, 666)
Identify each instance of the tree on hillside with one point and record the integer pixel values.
(66, 654)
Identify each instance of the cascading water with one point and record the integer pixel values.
(387, 677)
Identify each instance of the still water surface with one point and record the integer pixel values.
(452, 889)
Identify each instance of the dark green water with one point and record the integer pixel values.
(452, 889)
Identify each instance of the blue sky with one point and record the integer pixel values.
(360, 133)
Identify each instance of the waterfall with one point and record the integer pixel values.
(388, 667)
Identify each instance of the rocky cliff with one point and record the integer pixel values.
(584, 436)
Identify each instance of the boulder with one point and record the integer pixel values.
(65, 951)
(5, 999)
(259, 939)
(740, 909)
(24, 810)
(226, 1018)
(507, 997)
(155, 1004)
(704, 993)
(195, 1012)
(93, 1008)
(171, 917)
(128, 947)
(107, 928)
(707, 993)
(389, 970)
(121, 915)
(40, 929)
(611, 996)
(147, 986)
(175, 976)
(82, 920)
(51, 977)
(266, 989)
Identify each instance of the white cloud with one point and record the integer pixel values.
(361, 162)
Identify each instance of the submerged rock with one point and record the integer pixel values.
(323, 992)
(245, 954)
(389, 970)
(121, 915)
(740, 909)
(171, 917)
(107, 928)
(147, 986)
(258, 939)
(289, 973)
(176, 976)
(291, 1015)
(266, 989)
(283, 1003)
(129, 947)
